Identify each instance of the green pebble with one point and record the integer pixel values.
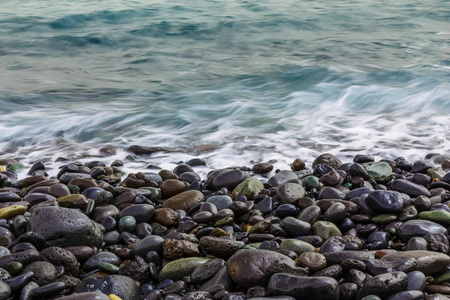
(438, 216)
(127, 223)
(298, 246)
(14, 267)
(155, 193)
(108, 267)
(179, 268)
(14, 167)
(312, 182)
(224, 221)
(5, 183)
(348, 185)
(250, 188)
(19, 225)
(252, 246)
(117, 170)
(73, 189)
(325, 230)
(381, 171)
(384, 218)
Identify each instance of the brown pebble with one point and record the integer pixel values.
(167, 217)
(298, 165)
(437, 289)
(313, 261)
(380, 253)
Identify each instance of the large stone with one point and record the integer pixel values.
(385, 201)
(324, 288)
(184, 200)
(419, 228)
(282, 177)
(65, 227)
(409, 188)
(428, 262)
(248, 267)
(250, 188)
(439, 216)
(122, 286)
(229, 180)
(290, 193)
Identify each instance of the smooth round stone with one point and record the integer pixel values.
(262, 168)
(295, 227)
(143, 230)
(287, 210)
(297, 246)
(422, 203)
(409, 188)
(141, 212)
(67, 177)
(203, 217)
(127, 223)
(109, 223)
(59, 190)
(13, 268)
(338, 257)
(380, 236)
(381, 172)
(18, 282)
(220, 201)
(190, 177)
(438, 216)
(310, 214)
(313, 261)
(303, 287)
(93, 262)
(72, 200)
(26, 291)
(333, 244)
(179, 268)
(103, 211)
(5, 290)
(48, 290)
(99, 195)
(416, 281)
(229, 179)
(407, 295)
(184, 201)
(281, 177)
(333, 271)
(428, 262)
(12, 211)
(150, 243)
(249, 188)
(417, 243)
(421, 166)
(335, 213)
(371, 297)
(248, 267)
(180, 169)
(172, 187)
(36, 198)
(312, 182)
(65, 227)
(290, 193)
(325, 229)
(408, 213)
(121, 286)
(328, 192)
(386, 201)
(44, 272)
(419, 228)
(384, 285)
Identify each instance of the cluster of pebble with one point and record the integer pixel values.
(359, 230)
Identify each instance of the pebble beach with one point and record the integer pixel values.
(330, 229)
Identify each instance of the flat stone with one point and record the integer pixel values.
(410, 188)
(439, 216)
(419, 228)
(65, 227)
(179, 268)
(298, 246)
(220, 201)
(381, 266)
(184, 201)
(383, 285)
(304, 287)
(290, 193)
(386, 201)
(295, 227)
(281, 177)
(381, 172)
(428, 262)
(220, 246)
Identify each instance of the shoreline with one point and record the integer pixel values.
(231, 233)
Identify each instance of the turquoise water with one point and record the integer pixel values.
(258, 80)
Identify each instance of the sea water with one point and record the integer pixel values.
(245, 80)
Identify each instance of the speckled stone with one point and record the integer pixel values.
(325, 229)
(184, 201)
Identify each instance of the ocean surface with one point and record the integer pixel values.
(234, 82)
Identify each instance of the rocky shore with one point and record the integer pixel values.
(331, 230)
